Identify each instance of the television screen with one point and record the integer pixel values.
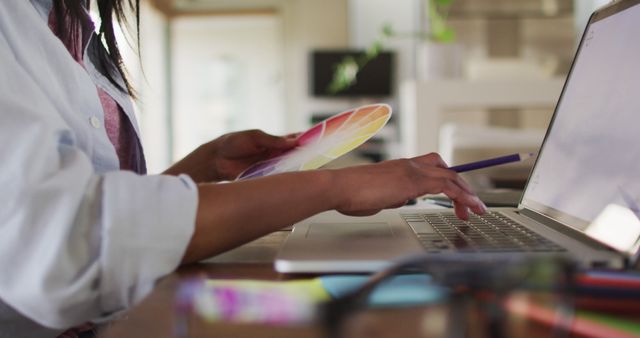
(373, 80)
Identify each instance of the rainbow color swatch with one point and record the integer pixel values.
(326, 141)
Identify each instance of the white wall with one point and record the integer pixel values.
(226, 76)
(152, 86)
(310, 24)
(366, 19)
(583, 9)
(147, 71)
(306, 25)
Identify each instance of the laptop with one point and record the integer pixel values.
(580, 199)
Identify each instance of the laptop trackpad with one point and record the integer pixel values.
(373, 230)
(337, 243)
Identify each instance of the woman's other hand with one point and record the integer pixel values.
(229, 155)
(365, 190)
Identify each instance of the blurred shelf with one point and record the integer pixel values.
(424, 104)
(511, 9)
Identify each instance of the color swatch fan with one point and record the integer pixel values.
(326, 141)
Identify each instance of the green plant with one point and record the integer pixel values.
(438, 14)
(346, 72)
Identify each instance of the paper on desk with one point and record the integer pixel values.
(253, 301)
(295, 302)
(402, 290)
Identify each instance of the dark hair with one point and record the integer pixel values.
(71, 14)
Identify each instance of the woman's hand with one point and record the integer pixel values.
(365, 190)
(229, 155)
(232, 214)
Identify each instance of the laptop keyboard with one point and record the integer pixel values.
(491, 232)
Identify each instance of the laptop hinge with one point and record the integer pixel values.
(565, 230)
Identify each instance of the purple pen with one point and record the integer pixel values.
(491, 162)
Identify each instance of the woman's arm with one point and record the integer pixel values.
(234, 213)
(77, 240)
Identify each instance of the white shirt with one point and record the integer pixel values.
(79, 239)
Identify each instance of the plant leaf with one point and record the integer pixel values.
(447, 35)
(387, 30)
(443, 2)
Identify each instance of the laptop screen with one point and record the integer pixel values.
(591, 155)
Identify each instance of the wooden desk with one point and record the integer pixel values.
(155, 316)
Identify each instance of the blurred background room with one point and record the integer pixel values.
(470, 79)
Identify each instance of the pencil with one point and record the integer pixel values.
(491, 162)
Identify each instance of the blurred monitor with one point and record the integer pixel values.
(373, 80)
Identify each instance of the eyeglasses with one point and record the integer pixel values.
(493, 296)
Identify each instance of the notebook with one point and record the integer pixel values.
(580, 199)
